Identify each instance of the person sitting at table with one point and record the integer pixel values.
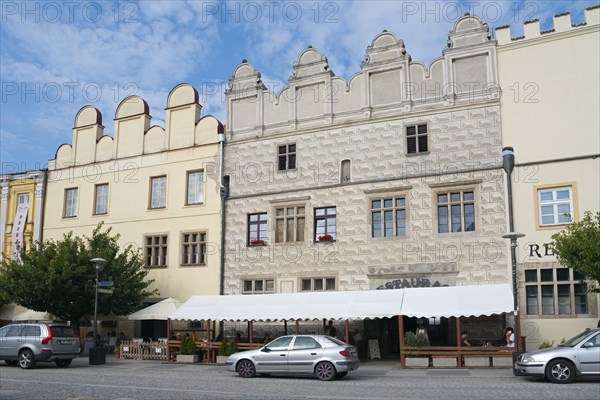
(267, 338)
(464, 339)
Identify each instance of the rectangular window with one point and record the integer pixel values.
(289, 224)
(257, 229)
(101, 199)
(158, 192)
(258, 286)
(416, 139)
(555, 206)
(456, 211)
(23, 198)
(193, 248)
(155, 251)
(325, 222)
(388, 217)
(70, 203)
(286, 157)
(317, 284)
(195, 187)
(554, 291)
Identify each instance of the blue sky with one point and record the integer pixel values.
(57, 56)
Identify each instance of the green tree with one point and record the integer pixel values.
(58, 277)
(578, 247)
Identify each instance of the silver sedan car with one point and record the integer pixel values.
(322, 356)
(577, 356)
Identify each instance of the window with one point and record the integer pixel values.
(555, 206)
(257, 228)
(456, 212)
(101, 199)
(346, 172)
(388, 217)
(193, 248)
(158, 192)
(195, 187)
(416, 139)
(305, 342)
(554, 291)
(286, 157)
(279, 344)
(257, 286)
(317, 284)
(289, 224)
(70, 203)
(155, 251)
(325, 219)
(23, 198)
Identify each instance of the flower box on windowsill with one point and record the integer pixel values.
(325, 238)
(257, 242)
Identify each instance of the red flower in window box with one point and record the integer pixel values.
(325, 238)
(257, 242)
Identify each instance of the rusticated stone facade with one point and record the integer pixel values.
(327, 143)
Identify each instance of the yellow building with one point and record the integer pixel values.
(156, 187)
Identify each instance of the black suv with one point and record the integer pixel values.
(29, 343)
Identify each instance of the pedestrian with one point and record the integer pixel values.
(510, 337)
(331, 330)
(358, 342)
(464, 339)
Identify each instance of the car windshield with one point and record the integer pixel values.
(574, 341)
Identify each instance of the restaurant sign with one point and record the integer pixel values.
(410, 283)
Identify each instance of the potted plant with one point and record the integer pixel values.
(326, 238)
(257, 242)
(226, 349)
(117, 351)
(412, 339)
(187, 351)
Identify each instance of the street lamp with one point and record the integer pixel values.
(508, 164)
(98, 262)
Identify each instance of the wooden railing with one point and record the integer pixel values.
(210, 349)
(136, 350)
(459, 352)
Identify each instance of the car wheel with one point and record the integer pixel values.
(26, 360)
(11, 362)
(325, 371)
(246, 369)
(63, 363)
(560, 371)
(342, 374)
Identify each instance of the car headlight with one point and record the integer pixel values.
(527, 359)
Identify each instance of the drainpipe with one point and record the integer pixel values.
(224, 193)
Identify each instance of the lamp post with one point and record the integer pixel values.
(508, 164)
(98, 262)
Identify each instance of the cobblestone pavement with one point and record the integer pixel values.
(375, 380)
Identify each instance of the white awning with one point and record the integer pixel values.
(30, 315)
(423, 302)
(160, 310)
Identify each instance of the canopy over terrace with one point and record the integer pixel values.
(455, 301)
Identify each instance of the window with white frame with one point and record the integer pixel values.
(155, 251)
(70, 209)
(257, 229)
(193, 248)
(258, 286)
(101, 199)
(456, 211)
(388, 217)
(195, 187)
(416, 139)
(555, 206)
(286, 157)
(158, 192)
(325, 223)
(22, 198)
(555, 291)
(289, 224)
(317, 284)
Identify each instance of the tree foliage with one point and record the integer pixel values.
(578, 247)
(58, 277)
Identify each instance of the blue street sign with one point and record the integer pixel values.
(106, 283)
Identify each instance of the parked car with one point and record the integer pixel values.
(577, 356)
(322, 356)
(28, 343)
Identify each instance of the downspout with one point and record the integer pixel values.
(223, 191)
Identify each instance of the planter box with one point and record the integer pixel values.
(444, 362)
(477, 362)
(502, 362)
(181, 358)
(422, 362)
(222, 359)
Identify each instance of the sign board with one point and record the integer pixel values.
(374, 349)
(108, 291)
(105, 283)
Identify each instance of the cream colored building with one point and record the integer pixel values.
(399, 165)
(156, 187)
(550, 101)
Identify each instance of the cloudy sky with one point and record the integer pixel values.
(57, 56)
